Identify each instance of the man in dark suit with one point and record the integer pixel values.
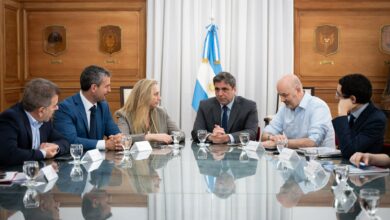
(226, 115)
(25, 128)
(85, 117)
(360, 126)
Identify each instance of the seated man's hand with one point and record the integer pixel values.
(113, 144)
(219, 138)
(345, 105)
(50, 149)
(269, 144)
(218, 130)
(279, 137)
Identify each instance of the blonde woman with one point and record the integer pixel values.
(142, 118)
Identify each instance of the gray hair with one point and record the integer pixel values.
(38, 93)
(225, 77)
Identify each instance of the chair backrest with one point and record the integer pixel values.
(124, 93)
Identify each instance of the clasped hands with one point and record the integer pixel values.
(114, 142)
(51, 149)
(274, 139)
(218, 136)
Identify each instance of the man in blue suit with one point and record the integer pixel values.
(85, 117)
(26, 130)
(360, 126)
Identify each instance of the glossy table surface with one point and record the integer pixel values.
(216, 182)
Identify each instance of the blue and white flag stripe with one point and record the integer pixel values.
(209, 67)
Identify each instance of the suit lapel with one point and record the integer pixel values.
(99, 121)
(27, 125)
(233, 114)
(216, 113)
(81, 110)
(363, 116)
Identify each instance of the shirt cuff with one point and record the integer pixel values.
(43, 152)
(101, 145)
(231, 138)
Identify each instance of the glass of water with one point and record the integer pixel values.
(126, 142)
(244, 138)
(31, 170)
(281, 144)
(31, 199)
(369, 201)
(176, 137)
(76, 174)
(202, 135)
(341, 172)
(76, 150)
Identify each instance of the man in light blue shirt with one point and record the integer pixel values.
(304, 121)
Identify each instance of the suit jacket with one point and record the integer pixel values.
(16, 137)
(243, 117)
(71, 120)
(165, 124)
(366, 135)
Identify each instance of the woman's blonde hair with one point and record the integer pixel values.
(137, 108)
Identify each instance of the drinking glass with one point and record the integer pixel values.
(76, 150)
(126, 142)
(344, 198)
(31, 198)
(202, 153)
(281, 144)
(341, 171)
(176, 137)
(31, 170)
(369, 201)
(243, 157)
(311, 154)
(244, 138)
(202, 135)
(76, 174)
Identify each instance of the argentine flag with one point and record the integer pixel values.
(210, 66)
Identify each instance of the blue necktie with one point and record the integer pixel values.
(224, 118)
(92, 123)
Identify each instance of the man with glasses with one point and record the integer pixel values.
(304, 120)
(226, 115)
(26, 129)
(360, 126)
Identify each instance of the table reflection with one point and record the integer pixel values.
(172, 183)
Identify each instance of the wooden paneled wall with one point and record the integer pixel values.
(359, 23)
(23, 57)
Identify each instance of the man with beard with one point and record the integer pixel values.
(85, 117)
(304, 121)
(25, 128)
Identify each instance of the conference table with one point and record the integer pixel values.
(188, 181)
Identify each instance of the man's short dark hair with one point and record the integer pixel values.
(226, 78)
(92, 75)
(38, 93)
(357, 85)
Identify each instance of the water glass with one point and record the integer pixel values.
(341, 171)
(202, 153)
(202, 135)
(311, 154)
(126, 142)
(31, 199)
(31, 170)
(76, 150)
(243, 157)
(244, 138)
(281, 144)
(369, 201)
(176, 137)
(76, 174)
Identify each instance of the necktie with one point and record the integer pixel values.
(351, 120)
(224, 118)
(92, 123)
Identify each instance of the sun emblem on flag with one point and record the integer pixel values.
(210, 87)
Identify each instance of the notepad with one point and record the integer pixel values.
(323, 152)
